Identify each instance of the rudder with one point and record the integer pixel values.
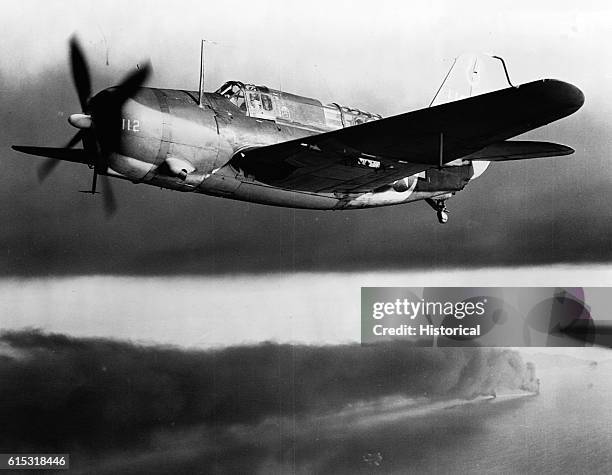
(471, 75)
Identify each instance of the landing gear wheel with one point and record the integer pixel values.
(440, 207)
(442, 216)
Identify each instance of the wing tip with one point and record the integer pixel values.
(565, 93)
(565, 150)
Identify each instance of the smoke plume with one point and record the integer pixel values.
(96, 397)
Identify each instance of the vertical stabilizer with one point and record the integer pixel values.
(472, 75)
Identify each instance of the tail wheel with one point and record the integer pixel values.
(442, 216)
(440, 207)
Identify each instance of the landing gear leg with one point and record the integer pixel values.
(440, 207)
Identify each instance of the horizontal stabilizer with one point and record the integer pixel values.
(519, 150)
(68, 154)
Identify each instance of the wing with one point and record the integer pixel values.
(367, 156)
(68, 154)
(519, 150)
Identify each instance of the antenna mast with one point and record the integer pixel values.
(201, 90)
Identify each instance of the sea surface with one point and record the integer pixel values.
(567, 428)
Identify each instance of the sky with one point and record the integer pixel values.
(387, 57)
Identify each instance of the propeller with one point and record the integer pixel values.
(82, 82)
(98, 120)
(49, 165)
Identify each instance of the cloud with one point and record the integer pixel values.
(106, 400)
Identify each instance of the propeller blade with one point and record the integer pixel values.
(106, 109)
(46, 168)
(82, 83)
(49, 165)
(75, 140)
(94, 182)
(110, 203)
(80, 72)
(130, 84)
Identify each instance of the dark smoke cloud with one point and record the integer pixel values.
(541, 211)
(112, 402)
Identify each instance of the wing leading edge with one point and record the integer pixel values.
(68, 154)
(370, 155)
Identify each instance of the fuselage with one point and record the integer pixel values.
(168, 140)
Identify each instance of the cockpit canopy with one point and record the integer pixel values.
(271, 104)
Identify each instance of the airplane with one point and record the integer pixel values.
(264, 145)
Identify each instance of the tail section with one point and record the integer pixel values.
(472, 75)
